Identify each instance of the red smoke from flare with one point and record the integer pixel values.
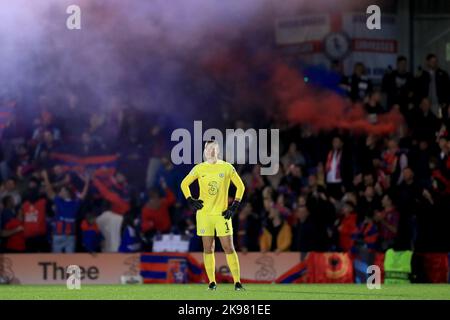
(323, 109)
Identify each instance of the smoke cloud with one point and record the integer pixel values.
(190, 59)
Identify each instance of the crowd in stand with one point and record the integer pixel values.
(334, 191)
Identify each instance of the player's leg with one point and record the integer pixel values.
(232, 259)
(205, 229)
(209, 260)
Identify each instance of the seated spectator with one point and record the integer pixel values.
(91, 237)
(276, 234)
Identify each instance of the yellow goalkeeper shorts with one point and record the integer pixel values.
(206, 225)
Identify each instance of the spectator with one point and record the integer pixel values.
(90, 234)
(408, 196)
(373, 106)
(155, 215)
(304, 232)
(276, 234)
(67, 205)
(9, 188)
(399, 86)
(249, 227)
(13, 228)
(293, 156)
(110, 225)
(358, 84)
(34, 211)
(346, 226)
(365, 237)
(424, 123)
(369, 203)
(115, 190)
(433, 84)
(337, 169)
(130, 241)
(89, 146)
(292, 182)
(387, 221)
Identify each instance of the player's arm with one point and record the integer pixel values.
(240, 188)
(187, 181)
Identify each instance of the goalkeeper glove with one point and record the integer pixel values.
(231, 211)
(197, 204)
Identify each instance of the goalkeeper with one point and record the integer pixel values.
(213, 212)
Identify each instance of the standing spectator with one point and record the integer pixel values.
(115, 190)
(365, 236)
(433, 83)
(373, 106)
(394, 160)
(45, 147)
(276, 235)
(34, 211)
(424, 123)
(293, 156)
(387, 221)
(130, 241)
(155, 215)
(13, 228)
(444, 155)
(9, 188)
(90, 234)
(398, 86)
(346, 226)
(369, 203)
(249, 227)
(172, 176)
(358, 84)
(110, 224)
(337, 169)
(67, 205)
(408, 196)
(304, 232)
(292, 181)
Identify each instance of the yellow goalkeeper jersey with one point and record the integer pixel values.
(214, 181)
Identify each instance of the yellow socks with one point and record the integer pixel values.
(210, 266)
(233, 264)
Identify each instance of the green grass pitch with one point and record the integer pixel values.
(226, 292)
